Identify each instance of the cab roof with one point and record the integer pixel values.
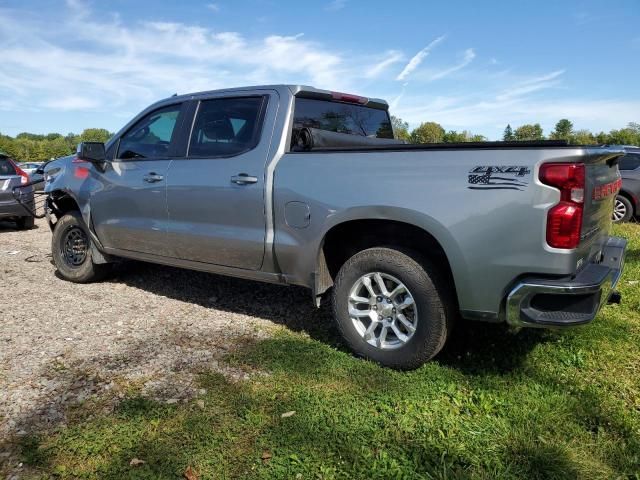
(298, 91)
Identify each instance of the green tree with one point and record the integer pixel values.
(508, 136)
(400, 128)
(625, 136)
(602, 138)
(428, 132)
(529, 132)
(583, 137)
(95, 135)
(563, 130)
(454, 137)
(464, 136)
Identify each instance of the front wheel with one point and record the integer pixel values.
(71, 251)
(392, 307)
(622, 210)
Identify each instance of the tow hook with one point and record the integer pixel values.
(614, 297)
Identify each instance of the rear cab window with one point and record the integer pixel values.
(339, 117)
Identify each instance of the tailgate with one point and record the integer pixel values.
(7, 183)
(601, 186)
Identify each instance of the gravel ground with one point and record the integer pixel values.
(147, 326)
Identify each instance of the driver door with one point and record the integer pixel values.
(129, 212)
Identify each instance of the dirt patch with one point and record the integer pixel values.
(148, 328)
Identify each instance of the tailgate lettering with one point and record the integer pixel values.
(606, 190)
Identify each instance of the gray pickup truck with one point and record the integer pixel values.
(300, 186)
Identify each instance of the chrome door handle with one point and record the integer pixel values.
(153, 178)
(244, 179)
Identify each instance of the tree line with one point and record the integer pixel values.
(30, 147)
(432, 132)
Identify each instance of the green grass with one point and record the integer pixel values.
(494, 405)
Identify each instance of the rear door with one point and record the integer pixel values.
(129, 210)
(216, 194)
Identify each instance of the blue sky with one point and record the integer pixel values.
(69, 65)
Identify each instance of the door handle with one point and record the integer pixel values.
(153, 177)
(244, 179)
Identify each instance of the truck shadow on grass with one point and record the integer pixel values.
(475, 347)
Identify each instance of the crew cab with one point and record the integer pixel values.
(301, 186)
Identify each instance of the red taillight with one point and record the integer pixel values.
(347, 97)
(564, 220)
(25, 176)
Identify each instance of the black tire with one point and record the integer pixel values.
(78, 268)
(433, 302)
(622, 201)
(25, 223)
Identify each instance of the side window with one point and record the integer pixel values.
(630, 161)
(226, 126)
(150, 136)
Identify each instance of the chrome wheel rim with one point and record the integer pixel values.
(74, 247)
(619, 210)
(383, 310)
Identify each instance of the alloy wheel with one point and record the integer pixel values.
(383, 310)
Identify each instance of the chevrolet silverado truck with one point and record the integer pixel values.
(300, 186)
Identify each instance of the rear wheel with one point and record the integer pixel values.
(71, 251)
(622, 209)
(392, 307)
(25, 223)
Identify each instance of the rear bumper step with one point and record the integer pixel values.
(538, 302)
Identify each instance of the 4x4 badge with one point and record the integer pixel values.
(498, 177)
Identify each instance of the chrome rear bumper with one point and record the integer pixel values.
(576, 300)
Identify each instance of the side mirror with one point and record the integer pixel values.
(93, 152)
(39, 171)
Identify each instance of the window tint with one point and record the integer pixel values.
(342, 118)
(6, 167)
(151, 136)
(226, 126)
(630, 161)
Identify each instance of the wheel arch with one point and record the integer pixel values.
(357, 230)
(61, 201)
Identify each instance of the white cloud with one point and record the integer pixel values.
(417, 59)
(214, 7)
(336, 5)
(532, 85)
(71, 102)
(468, 57)
(391, 58)
(113, 63)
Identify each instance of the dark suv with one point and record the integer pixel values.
(628, 200)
